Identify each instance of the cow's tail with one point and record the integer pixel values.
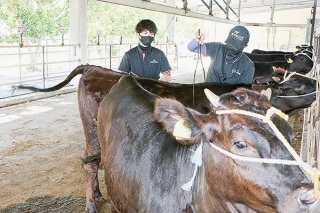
(78, 70)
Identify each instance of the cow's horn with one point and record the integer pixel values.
(276, 79)
(213, 98)
(267, 92)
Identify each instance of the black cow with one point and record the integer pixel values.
(267, 57)
(301, 92)
(300, 62)
(146, 144)
(258, 51)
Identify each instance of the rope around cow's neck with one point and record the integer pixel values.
(296, 96)
(308, 170)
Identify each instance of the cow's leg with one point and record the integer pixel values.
(92, 185)
(88, 108)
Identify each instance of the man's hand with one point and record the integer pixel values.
(199, 37)
(165, 76)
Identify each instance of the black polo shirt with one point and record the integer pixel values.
(150, 66)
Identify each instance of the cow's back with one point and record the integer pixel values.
(138, 162)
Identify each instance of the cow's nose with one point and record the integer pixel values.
(307, 197)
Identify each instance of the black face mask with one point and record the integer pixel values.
(146, 40)
(232, 55)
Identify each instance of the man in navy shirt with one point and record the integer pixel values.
(145, 60)
(229, 64)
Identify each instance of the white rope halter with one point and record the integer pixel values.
(311, 173)
(308, 169)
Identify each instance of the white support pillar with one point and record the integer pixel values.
(171, 20)
(78, 29)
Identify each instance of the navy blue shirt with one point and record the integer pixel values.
(240, 71)
(150, 66)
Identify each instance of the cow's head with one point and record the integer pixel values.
(301, 61)
(239, 185)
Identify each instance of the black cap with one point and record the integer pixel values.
(238, 37)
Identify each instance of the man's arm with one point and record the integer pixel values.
(193, 46)
(165, 73)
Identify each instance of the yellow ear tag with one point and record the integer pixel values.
(289, 61)
(181, 130)
(283, 116)
(315, 183)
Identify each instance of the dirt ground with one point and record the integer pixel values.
(40, 166)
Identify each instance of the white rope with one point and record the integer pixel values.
(296, 96)
(254, 160)
(312, 173)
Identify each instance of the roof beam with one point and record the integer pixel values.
(167, 9)
(143, 4)
(274, 25)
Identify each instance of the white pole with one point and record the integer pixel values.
(78, 30)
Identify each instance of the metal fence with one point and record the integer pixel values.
(45, 63)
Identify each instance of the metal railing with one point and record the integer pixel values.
(43, 64)
(34, 63)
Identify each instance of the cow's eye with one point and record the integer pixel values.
(240, 144)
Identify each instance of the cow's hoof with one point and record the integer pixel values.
(91, 208)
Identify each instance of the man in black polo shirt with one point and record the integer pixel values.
(145, 60)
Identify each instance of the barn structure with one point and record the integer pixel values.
(30, 140)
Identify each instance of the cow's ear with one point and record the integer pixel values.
(177, 120)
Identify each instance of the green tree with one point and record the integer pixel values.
(112, 24)
(41, 18)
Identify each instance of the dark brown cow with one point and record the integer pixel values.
(146, 144)
(96, 83)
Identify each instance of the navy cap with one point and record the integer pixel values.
(238, 37)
